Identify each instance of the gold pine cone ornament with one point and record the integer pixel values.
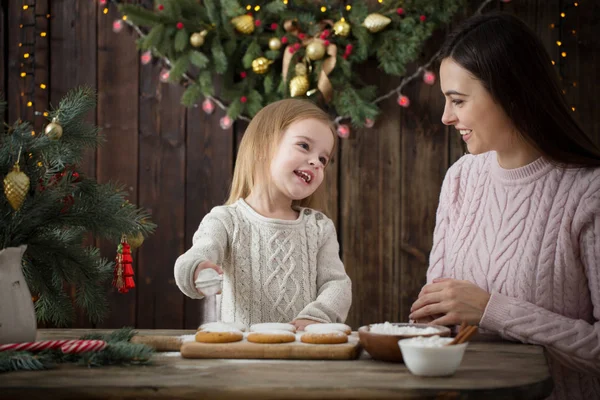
(16, 186)
(260, 65)
(376, 22)
(299, 84)
(244, 24)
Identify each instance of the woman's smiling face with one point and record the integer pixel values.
(482, 123)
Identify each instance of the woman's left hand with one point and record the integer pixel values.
(300, 324)
(456, 301)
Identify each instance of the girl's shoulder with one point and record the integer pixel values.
(470, 164)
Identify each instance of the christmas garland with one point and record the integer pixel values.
(276, 49)
(116, 350)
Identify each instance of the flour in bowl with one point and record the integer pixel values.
(431, 341)
(390, 329)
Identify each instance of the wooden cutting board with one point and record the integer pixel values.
(293, 351)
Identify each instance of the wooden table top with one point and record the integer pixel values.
(489, 371)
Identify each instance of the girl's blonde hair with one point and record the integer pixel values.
(260, 140)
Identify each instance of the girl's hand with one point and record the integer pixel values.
(300, 324)
(204, 265)
(456, 301)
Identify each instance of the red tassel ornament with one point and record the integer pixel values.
(123, 274)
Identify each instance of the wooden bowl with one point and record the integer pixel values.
(385, 347)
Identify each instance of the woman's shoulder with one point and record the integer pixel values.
(470, 163)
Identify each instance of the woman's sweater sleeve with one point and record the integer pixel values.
(573, 342)
(334, 288)
(210, 243)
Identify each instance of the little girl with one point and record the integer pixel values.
(278, 255)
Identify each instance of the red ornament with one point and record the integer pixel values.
(343, 131)
(225, 122)
(123, 273)
(103, 2)
(257, 22)
(429, 77)
(403, 101)
(208, 106)
(326, 33)
(164, 75)
(326, 43)
(369, 122)
(423, 18)
(243, 74)
(146, 57)
(291, 49)
(284, 40)
(161, 7)
(301, 36)
(297, 46)
(274, 25)
(180, 25)
(400, 11)
(243, 99)
(117, 25)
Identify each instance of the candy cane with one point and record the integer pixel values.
(81, 346)
(67, 346)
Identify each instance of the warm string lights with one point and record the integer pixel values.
(566, 35)
(29, 34)
(208, 105)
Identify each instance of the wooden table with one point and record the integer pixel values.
(488, 371)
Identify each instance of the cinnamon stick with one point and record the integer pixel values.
(465, 331)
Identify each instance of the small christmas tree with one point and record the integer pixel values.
(50, 207)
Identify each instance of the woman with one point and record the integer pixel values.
(517, 239)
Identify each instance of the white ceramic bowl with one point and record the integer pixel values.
(432, 361)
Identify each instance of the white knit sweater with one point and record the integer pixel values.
(274, 270)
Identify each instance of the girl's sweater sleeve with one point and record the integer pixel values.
(573, 342)
(334, 288)
(210, 243)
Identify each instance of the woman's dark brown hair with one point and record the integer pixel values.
(512, 64)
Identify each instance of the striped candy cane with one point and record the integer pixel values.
(81, 346)
(71, 346)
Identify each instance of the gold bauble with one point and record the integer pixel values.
(197, 39)
(260, 65)
(274, 43)
(315, 50)
(376, 22)
(16, 186)
(53, 130)
(300, 69)
(299, 85)
(341, 28)
(244, 24)
(135, 240)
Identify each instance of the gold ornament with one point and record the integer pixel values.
(315, 50)
(53, 130)
(341, 28)
(135, 240)
(376, 22)
(261, 65)
(16, 186)
(197, 39)
(274, 43)
(299, 84)
(244, 24)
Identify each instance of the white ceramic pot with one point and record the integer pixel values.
(17, 314)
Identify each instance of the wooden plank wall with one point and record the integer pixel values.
(383, 184)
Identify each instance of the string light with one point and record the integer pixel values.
(257, 8)
(248, 7)
(43, 34)
(562, 15)
(558, 43)
(323, 9)
(105, 11)
(348, 7)
(25, 7)
(42, 86)
(563, 54)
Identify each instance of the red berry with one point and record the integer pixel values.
(296, 46)
(422, 18)
(301, 36)
(257, 22)
(291, 49)
(180, 25)
(243, 99)
(243, 74)
(345, 56)
(400, 11)
(349, 47)
(326, 43)
(161, 7)
(326, 32)
(274, 26)
(284, 40)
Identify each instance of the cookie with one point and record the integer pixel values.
(272, 336)
(324, 328)
(269, 326)
(219, 336)
(223, 326)
(335, 337)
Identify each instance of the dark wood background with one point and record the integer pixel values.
(177, 162)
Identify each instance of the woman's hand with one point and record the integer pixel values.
(456, 302)
(202, 266)
(300, 324)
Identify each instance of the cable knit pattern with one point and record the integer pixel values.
(274, 270)
(531, 237)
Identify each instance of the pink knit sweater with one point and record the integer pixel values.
(530, 237)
